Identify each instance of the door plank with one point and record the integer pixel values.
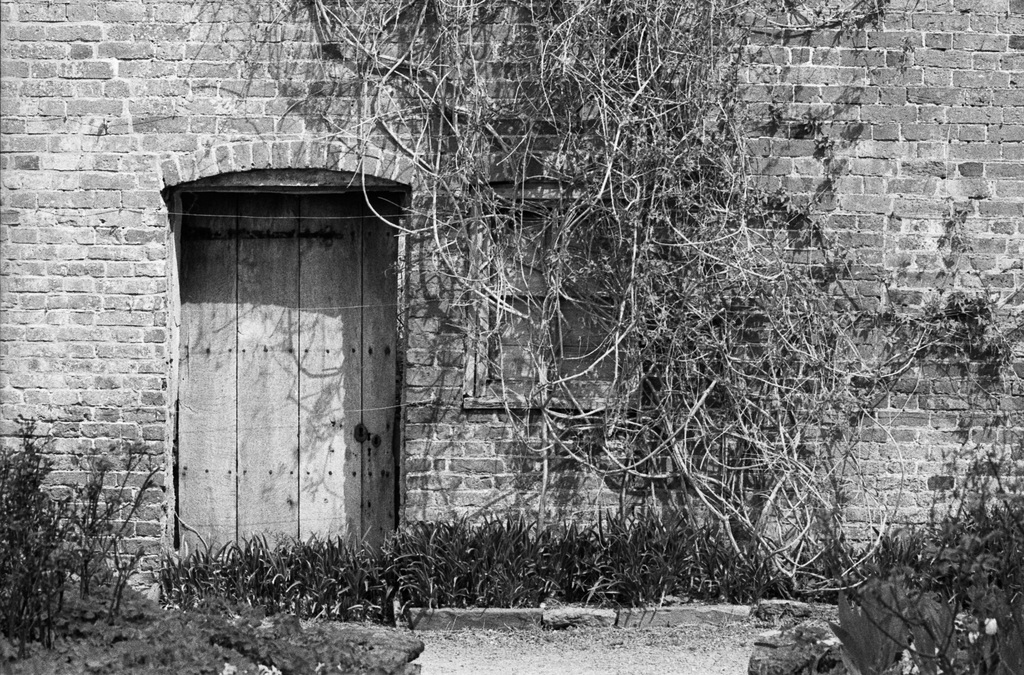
(206, 372)
(330, 366)
(268, 347)
(379, 347)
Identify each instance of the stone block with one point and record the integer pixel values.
(422, 618)
(717, 615)
(579, 617)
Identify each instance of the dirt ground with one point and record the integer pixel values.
(683, 650)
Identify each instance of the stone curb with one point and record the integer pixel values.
(423, 619)
(712, 615)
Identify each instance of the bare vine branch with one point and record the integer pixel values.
(588, 192)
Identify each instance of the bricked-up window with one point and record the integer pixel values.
(530, 347)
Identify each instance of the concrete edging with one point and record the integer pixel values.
(424, 619)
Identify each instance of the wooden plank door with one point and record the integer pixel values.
(287, 367)
(268, 384)
(207, 370)
(330, 364)
(378, 373)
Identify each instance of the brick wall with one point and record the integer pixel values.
(905, 141)
(894, 132)
(464, 457)
(104, 105)
(908, 141)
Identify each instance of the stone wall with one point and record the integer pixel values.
(903, 135)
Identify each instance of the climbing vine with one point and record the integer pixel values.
(589, 196)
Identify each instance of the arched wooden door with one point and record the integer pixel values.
(286, 386)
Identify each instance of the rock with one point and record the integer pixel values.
(805, 649)
(282, 643)
(577, 617)
(776, 611)
(151, 592)
(357, 648)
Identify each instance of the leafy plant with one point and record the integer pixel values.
(932, 625)
(872, 633)
(954, 587)
(48, 538)
(995, 643)
(321, 578)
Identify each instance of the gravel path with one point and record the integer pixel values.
(683, 650)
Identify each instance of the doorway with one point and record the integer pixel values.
(286, 373)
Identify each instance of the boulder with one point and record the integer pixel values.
(806, 649)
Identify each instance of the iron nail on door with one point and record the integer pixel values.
(361, 433)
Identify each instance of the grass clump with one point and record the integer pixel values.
(617, 561)
(496, 562)
(324, 578)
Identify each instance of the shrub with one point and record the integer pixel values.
(47, 540)
(34, 563)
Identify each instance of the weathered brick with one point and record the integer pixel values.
(971, 169)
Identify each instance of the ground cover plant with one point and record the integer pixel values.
(618, 560)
